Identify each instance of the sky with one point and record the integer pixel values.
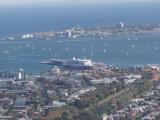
(19, 2)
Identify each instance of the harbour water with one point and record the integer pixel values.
(129, 50)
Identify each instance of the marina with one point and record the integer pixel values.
(140, 50)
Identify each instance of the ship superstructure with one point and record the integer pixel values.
(73, 63)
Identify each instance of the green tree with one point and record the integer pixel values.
(67, 115)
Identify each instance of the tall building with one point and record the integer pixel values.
(20, 75)
(122, 25)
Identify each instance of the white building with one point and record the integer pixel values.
(20, 74)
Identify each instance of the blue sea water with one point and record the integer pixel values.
(139, 50)
(23, 19)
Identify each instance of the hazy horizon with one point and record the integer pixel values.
(68, 2)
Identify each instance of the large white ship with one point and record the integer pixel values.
(73, 63)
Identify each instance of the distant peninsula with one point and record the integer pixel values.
(98, 31)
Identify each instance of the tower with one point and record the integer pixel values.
(122, 25)
(20, 75)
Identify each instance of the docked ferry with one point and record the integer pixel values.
(72, 64)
